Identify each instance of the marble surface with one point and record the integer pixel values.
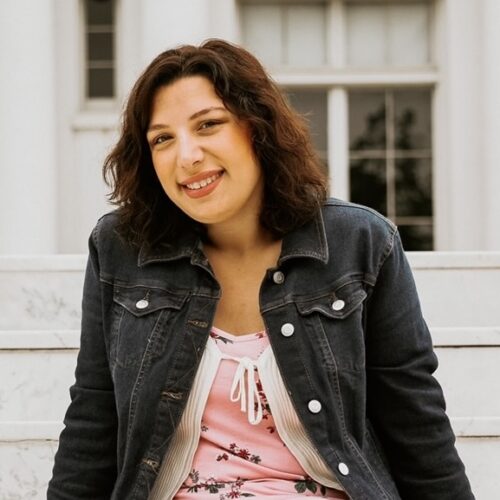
(35, 384)
(25, 469)
(40, 300)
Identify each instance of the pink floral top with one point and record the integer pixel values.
(240, 453)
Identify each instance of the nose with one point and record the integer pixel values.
(189, 151)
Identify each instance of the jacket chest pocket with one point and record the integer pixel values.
(336, 321)
(141, 323)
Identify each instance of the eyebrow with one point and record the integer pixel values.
(202, 112)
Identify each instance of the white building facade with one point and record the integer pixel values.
(401, 97)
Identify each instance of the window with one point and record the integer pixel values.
(390, 159)
(100, 49)
(286, 34)
(390, 34)
(362, 73)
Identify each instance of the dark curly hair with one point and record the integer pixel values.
(294, 179)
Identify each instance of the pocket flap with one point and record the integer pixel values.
(141, 300)
(337, 305)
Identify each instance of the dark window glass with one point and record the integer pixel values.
(413, 188)
(100, 82)
(99, 12)
(100, 51)
(100, 46)
(416, 237)
(367, 122)
(412, 119)
(369, 183)
(391, 159)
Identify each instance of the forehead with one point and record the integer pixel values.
(184, 96)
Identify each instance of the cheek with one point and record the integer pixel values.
(165, 173)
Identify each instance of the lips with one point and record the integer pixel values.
(201, 184)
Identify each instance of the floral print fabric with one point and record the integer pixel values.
(238, 459)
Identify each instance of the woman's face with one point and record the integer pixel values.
(203, 154)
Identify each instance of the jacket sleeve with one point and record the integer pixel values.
(85, 463)
(405, 403)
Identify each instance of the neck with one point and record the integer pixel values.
(239, 239)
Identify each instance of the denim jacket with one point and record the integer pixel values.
(380, 423)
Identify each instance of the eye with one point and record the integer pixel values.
(208, 124)
(160, 139)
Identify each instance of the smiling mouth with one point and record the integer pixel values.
(194, 186)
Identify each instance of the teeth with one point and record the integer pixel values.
(203, 183)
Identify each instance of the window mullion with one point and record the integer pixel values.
(390, 161)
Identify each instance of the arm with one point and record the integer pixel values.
(85, 463)
(405, 402)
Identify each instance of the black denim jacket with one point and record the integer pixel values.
(381, 424)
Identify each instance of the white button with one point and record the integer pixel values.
(338, 305)
(287, 330)
(343, 469)
(314, 406)
(142, 304)
(278, 277)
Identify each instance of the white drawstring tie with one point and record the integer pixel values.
(248, 402)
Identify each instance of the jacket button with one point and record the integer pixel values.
(338, 305)
(343, 469)
(142, 304)
(287, 330)
(314, 406)
(278, 277)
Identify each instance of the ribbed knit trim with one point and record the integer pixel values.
(177, 462)
(288, 425)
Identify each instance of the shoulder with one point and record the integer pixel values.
(109, 245)
(357, 231)
(353, 215)
(106, 230)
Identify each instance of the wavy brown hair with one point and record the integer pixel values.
(294, 180)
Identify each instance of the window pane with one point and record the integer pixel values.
(388, 34)
(313, 105)
(413, 119)
(365, 35)
(100, 82)
(367, 125)
(408, 34)
(413, 187)
(262, 32)
(100, 46)
(369, 183)
(417, 237)
(306, 35)
(99, 12)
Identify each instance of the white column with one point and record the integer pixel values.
(28, 174)
(338, 126)
(491, 122)
(457, 128)
(338, 143)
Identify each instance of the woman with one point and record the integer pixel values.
(242, 335)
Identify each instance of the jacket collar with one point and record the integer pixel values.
(308, 241)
